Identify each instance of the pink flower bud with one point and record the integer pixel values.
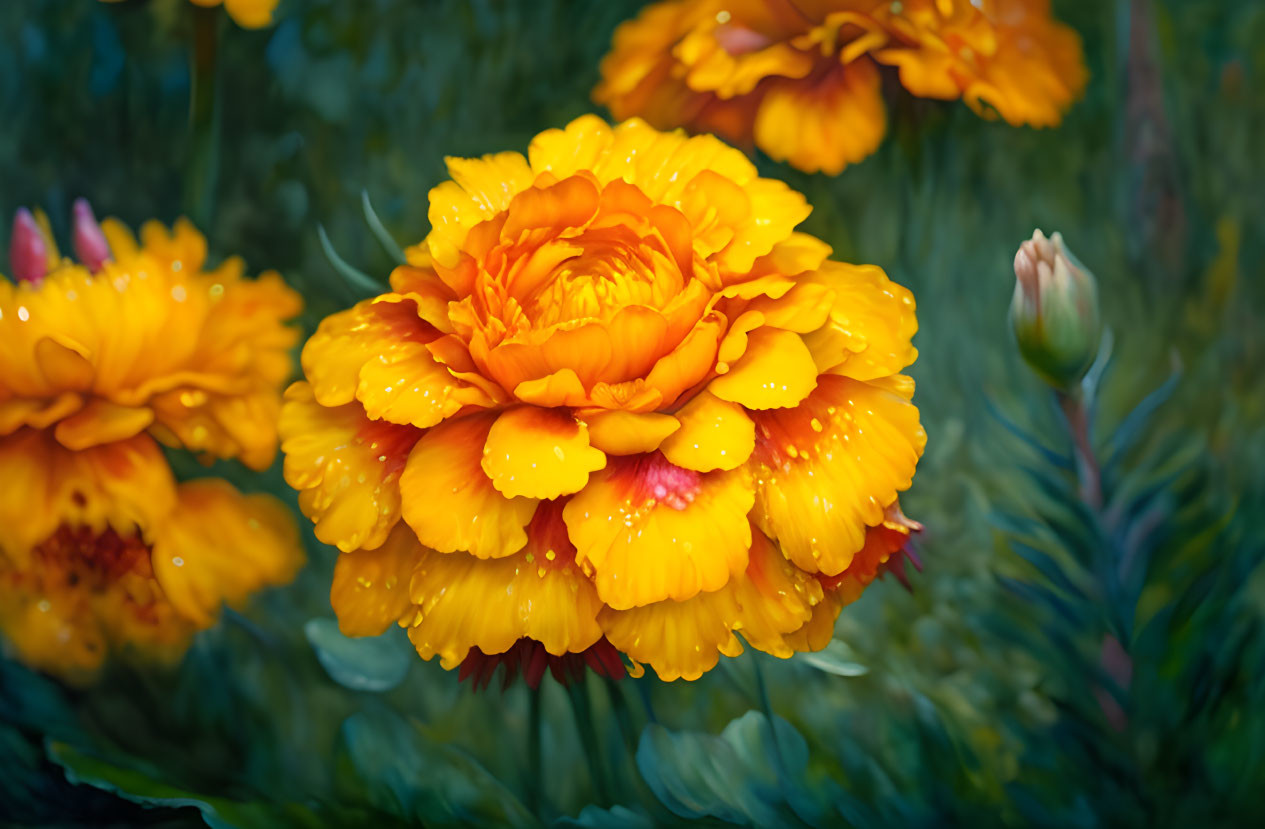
(28, 252)
(91, 248)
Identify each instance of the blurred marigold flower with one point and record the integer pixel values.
(249, 14)
(100, 548)
(1054, 311)
(617, 402)
(800, 79)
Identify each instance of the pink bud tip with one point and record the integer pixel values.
(91, 248)
(28, 252)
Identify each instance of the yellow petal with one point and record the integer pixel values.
(345, 467)
(448, 500)
(406, 385)
(871, 322)
(650, 531)
(826, 469)
(777, 598)
(102, 422)
(371, 587)
(680, 640)
(776, 371)
(220, 546)
(481, 188)
(539, 453)
(714, 434)
(562, 388)
(344, 342)
(125, 485)
(463, 602)
(619, 432)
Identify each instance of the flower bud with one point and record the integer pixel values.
(28, 252)
(1054, 311)
(91, 248)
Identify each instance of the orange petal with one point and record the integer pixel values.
(690, 362)
(448, 500)
(406, 385)
(823, 126)
(539, 593)
(345, 467)
(220, 546)
(777, 598)
(618, 432)
(125, 485)
(539, 453)
(480, 189)
(680, 640)
(102, 422)
(345, 341)
(562, 388)
(371, 587)
(714, 434)
(777, 371)
(826, 469)
(871, 322)
(649, 531)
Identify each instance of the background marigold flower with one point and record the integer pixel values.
(614, 399)
(249, 14)
(800, 78)
(101, 549)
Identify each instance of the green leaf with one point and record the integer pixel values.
(835, 658)
(380, 232)
(377, 663)
(145, 788)
(403, 771)
(616, 817)
(357, 280)
(731, 777)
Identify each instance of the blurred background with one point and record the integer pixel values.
(992, 694)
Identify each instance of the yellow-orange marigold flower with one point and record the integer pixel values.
(616, 400)
(800, 78)
(100, 548)
(249, 14)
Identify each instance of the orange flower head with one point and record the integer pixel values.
(800, 78)
(613, 401)
(101, 549)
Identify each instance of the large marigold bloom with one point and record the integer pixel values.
(613, 400)
(800, 78)
(249, 14)
(100, 548)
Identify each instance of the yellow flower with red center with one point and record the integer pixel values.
(613, 401)
(800, 79)
(100, 361)
(249, 14)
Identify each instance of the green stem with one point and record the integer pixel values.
(204, 117)
(535, 756)
(583, 708)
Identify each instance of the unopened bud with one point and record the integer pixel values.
(28, 252)
(91, 248)
(1054, 311)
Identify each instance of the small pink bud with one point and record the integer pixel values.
(91, 247)
(28, 252)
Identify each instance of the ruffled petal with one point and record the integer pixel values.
(680, 640)
(480, 188)
(775, 372)
(870, 326)
(619, 432)
(345, 467)
(777, 598)
(407, 385)
(219, 546)
(371, 587)
(648, 530)
(463, 602)
(347, 340)
(450, 502)
(539, 453)
(826, 469)
(714, 434)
